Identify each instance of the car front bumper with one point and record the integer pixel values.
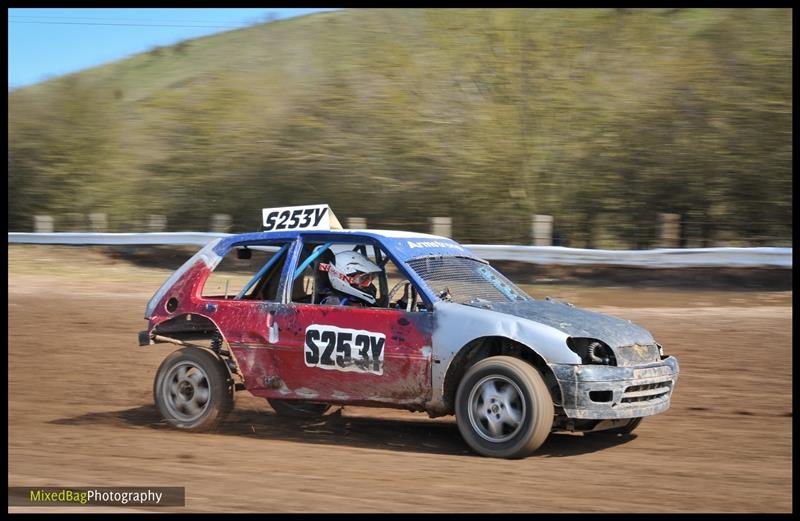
(601, 392)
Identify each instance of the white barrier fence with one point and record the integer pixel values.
(556, 255)
(659, 258)
(198, 238)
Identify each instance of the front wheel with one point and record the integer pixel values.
(503, 408)
(193, 389)
(298, 408)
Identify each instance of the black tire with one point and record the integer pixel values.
(511, 391)
(625, 429)
(193, 389)
(298, 408)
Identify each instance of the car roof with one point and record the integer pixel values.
(403, 245)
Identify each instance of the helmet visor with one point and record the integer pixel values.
(362, 280)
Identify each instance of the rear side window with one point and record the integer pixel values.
(256, 277)
(206, 255)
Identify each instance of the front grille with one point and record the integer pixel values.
(643, 393)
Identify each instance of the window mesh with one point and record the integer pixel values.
(466, 279)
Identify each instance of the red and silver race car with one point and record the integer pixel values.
(306, 315)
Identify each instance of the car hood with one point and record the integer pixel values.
(574, 321)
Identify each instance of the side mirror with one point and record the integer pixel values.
(244, 254)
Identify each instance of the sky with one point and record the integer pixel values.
(45, 43)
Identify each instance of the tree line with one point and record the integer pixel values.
(603, 118)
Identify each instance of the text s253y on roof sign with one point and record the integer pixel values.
(310, 217)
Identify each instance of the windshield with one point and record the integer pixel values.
(465, 281)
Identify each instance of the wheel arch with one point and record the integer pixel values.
(193, 327)
(484, 347)
(186, 327)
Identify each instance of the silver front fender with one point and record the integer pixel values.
(456, 325)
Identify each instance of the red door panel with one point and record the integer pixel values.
(341, 353)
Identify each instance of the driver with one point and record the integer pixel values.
(351, 276)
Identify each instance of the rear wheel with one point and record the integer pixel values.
(193, 390)
(503, 408)
(298, 408)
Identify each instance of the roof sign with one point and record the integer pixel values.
(310, 217)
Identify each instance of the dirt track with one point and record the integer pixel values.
(81, 414)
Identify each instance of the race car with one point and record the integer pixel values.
(308, 315)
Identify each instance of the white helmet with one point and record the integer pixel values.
(352, 274)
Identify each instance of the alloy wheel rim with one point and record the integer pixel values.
(187, 392)
(496, 408)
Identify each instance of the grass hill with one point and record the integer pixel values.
(601, 117)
